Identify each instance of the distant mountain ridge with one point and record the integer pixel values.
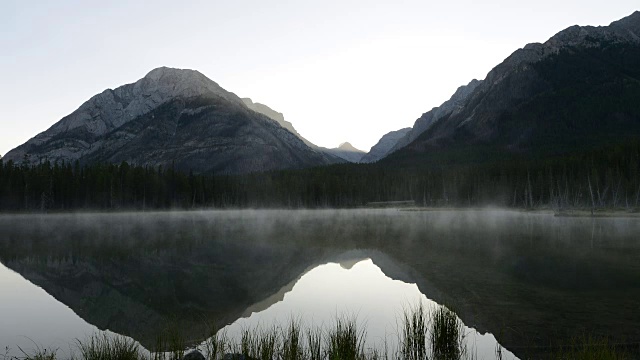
(171, 117)
(277, 116)
(578, 89)
(385, 145)
(335, 155)
(347, 152)
(455, 103)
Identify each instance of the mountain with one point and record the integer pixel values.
(332, 155)
(384, 145)
(577, 90)
(454, 104)
(346, 151)
(278, 117)
(171, 117)
(396, 140)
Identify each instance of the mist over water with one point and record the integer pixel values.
(527, 278)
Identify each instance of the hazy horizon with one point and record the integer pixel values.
(363, 68)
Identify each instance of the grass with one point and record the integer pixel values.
(422, 335)
(292, 348)
(413, 339)
(345, 341)
(447, 335)
(109, 348)
(170, 346)
(38, 354)
(589, 348)
(437, 335)
(216, 345)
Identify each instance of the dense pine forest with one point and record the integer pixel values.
(605, 178)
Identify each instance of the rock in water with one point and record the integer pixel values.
(194, 355)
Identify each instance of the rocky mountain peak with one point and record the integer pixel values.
(515, 109)
(165, 72)
(630, 24)
(631, 21)
(348, 147)
(171, 116)
(345, 151)
(621, 31)
(171, 82)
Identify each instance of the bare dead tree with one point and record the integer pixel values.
(529, 190)
(593, 202)
(616, 193)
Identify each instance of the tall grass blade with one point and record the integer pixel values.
(345, 342)
(413, 339)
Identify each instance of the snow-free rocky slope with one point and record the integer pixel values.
(171, 117)
(384, 145)
(343, 153)
(578, 90)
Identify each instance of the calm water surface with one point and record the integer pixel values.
(528, 280)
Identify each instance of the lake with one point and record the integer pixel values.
(528, 281)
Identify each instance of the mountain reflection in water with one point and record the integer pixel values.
(530, 279)
(353, 289)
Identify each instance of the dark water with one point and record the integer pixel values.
(528, 280)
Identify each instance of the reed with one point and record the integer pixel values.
(216, 344)
(37, 354)
(413, 336)
(170, 344)
(345, 341)
(314, 344)
(447, 335)
(292, 346)
(422, 335)
(268, 345)
(103, 347)
(589, 348)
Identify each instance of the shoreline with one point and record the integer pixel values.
(572, 213)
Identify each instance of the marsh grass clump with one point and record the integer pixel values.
(345, 341)
(413, 334)
(247, 343)
(216, 345)
(423, 334)
(170, 345)
(292, 346)
(314, 344)
(37, 354)
(446, 335)
(255, 344)
(103, 347)
(420, 331)
(268, 345)
(589, 348)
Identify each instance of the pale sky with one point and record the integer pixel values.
(338, 70)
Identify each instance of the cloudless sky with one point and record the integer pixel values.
(339, 70)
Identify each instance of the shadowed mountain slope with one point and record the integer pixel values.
(576, 91)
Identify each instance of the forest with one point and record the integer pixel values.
(608, 177)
